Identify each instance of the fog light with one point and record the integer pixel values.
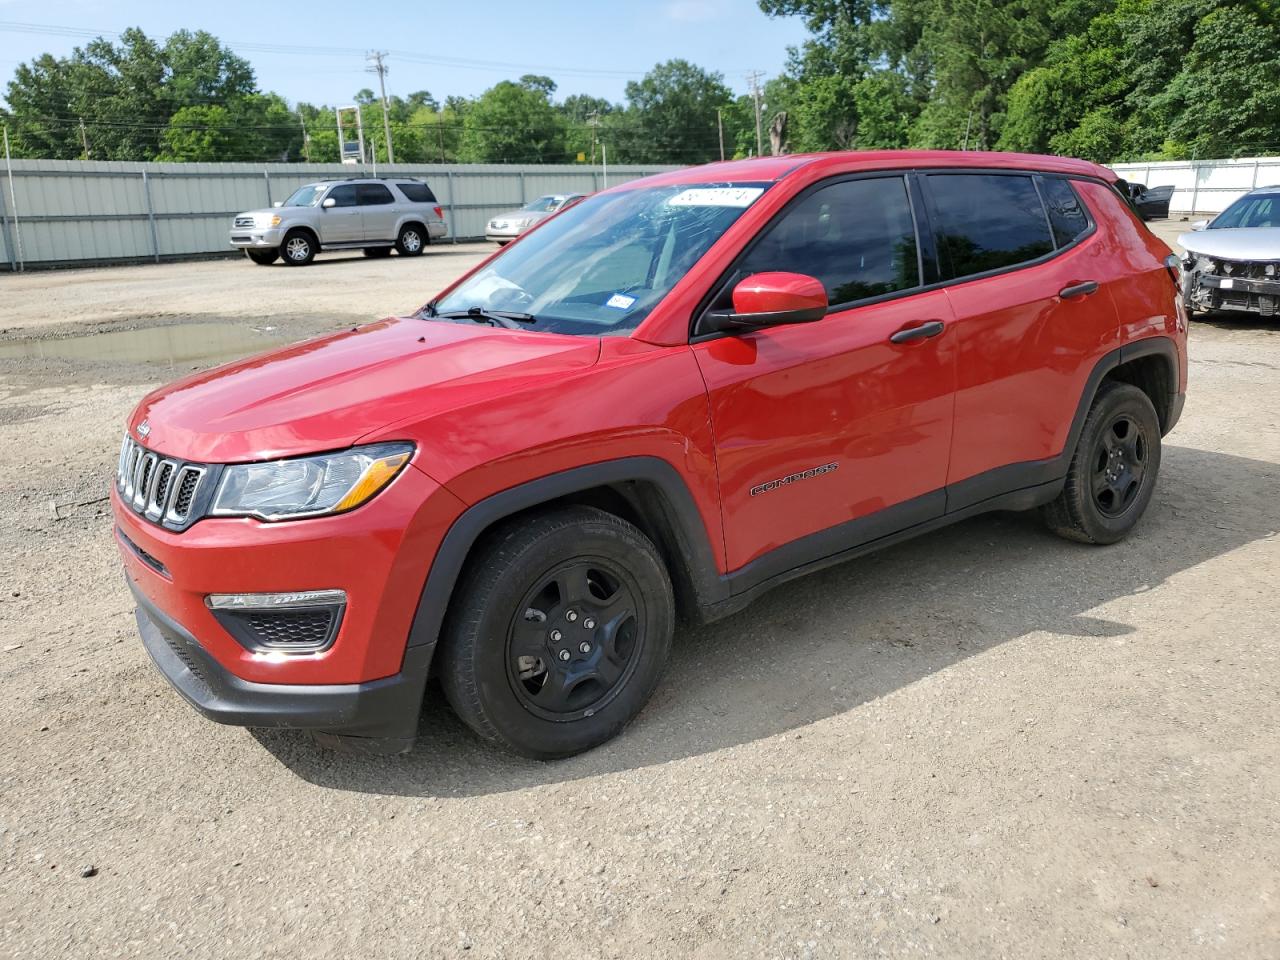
(299, 622)
(274, 601)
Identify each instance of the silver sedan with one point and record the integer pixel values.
(505, 227)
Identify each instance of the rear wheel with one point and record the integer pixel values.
(298, 249)
(1113, 472)
(264, 258)
(411, 241)
(559, 632)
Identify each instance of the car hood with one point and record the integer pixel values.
(266, 214)
(328, 393)
(1234, 243)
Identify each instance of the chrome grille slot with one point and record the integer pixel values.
(161, 487)
(244, 221)
(142, 484)
(185, 486)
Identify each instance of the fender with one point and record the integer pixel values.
(680, 511)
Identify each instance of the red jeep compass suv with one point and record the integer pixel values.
(668, 399)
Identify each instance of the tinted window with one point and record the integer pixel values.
(985, 221)
(857, 237)
(344, 196)
(417, 192)
(372, 194)
(1066, 212)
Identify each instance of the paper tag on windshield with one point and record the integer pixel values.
(620, 301)
(716, 197)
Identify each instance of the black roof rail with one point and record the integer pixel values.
(345, 179)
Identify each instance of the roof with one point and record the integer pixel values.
(770, 169)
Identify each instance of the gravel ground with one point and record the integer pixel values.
(983, 743)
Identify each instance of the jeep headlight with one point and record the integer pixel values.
(308, 486)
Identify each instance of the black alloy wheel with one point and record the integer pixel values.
(1119, 465)
(575, 639)
(558, 631)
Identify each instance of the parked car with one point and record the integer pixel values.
(363, 213)
(505, 227)
(1152, 203)
(1232, 262)
(681, 393)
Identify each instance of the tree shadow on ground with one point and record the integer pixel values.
(831, 642)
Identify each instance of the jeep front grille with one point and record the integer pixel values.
(159, 488)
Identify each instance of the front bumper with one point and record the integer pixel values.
(501, 234)
(378, 716)
(256, 238)
(1245, 294)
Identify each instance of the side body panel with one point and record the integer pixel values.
(834, 396)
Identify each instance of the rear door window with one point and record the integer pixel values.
(373, 194)
(417, 192)
(857, 236)
(1066, 212)
(987, 221)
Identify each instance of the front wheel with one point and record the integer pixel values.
(1113, 472)
(263, 258)
(298, 248)
(559, 632)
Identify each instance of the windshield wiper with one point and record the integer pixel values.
(498, 318)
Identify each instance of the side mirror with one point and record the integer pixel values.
(770, 299)
(278, 203)
(328, 202)
(1199, 224)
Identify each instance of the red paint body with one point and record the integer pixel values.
(490, 409)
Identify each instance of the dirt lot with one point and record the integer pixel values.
(984, 743)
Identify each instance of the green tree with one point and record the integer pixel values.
(671, 116)
(512, 123)
(256, 127)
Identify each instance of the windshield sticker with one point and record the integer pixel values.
(620, 301)
(716, 197)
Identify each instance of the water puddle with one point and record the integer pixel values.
(174, 345)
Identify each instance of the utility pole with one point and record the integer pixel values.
(84, 139)
(593, 118)
(306, 141)
(376, 59)
(720, 127)
(754, 79)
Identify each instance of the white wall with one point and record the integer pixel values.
(1204, 186)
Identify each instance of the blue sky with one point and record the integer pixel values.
(586, 47)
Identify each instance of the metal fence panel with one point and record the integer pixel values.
(73, 211)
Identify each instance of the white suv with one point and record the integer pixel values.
(365, 213)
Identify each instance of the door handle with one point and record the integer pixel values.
(1079, 289)
(930, 328)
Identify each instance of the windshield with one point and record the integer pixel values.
(541, 205)
(602, 265)
(307, 196)
(1259, 210)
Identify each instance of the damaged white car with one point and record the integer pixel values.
(1232, 262)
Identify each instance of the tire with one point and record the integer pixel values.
(298, 248)
(1113, 471)
(412, 240)
(263, 258)
(376, 252)
(559, 630)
